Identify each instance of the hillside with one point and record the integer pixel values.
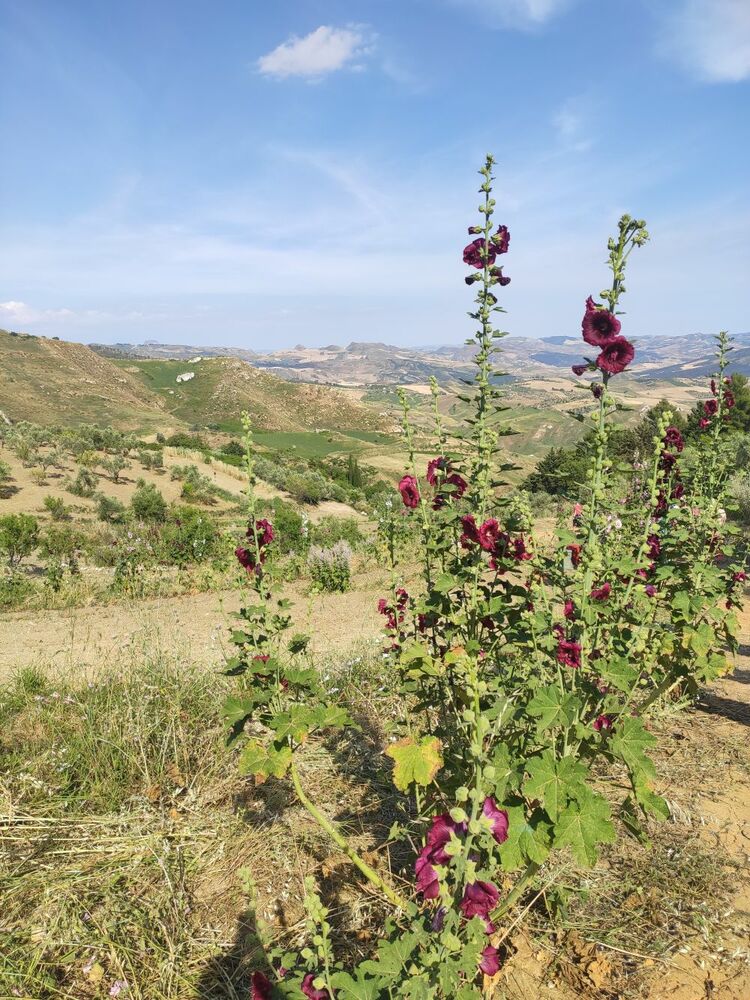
(54, 381)
(216, 390)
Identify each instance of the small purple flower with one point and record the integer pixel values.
(601, 593)
(602, 722)
(490, 962)
(650, 589)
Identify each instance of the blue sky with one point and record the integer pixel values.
(303, 172)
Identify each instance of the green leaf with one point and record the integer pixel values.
(651, 803)
(236, 710)
(415, 763)
(262, 762)
(552, 707)
(392, 956)
(629, 742)
(583, 824)
(528, 839)
(359, 989)
(554, 782)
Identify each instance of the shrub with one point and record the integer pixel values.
(183, 440)
(84, 484)
(110, 509)
(15, 589)
(292, 531)
(330, 569)
(19, 534)
(56, 508)
(329, 530)
(188, 536)
(147, 503)
(309, 488)
(195, 486)
(233, 448)
(5, 473)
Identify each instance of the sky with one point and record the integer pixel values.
(265, 175)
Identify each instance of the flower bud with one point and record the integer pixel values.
(458, 815)
(462, 794)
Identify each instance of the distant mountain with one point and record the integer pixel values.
(377, 363)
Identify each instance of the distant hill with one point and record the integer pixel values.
(55, 381)
(360, 364)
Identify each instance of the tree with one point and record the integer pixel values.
(5, 473)
(19, 534)
(561, 472)
(147, 503)
(114, 466)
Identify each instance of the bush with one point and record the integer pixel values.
(233, 448)
(110, 509)
(84, 484)
(56, 508)
(147, 503)
(5, 473)
(188, 536)
(195, 486)
(19, 534)
(15, 588)
(182, 440)
(330, 569)
(330, 530)
(309, 488)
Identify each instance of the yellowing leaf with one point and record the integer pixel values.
(415, 763)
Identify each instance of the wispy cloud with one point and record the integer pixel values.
(521, 14)
(313, 56)
(709, 38)
(572, 123)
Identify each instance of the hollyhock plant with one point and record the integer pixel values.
(674, 439)
(711, 407)
(569, 653)
(470, 533)
(600, 327)
(260, 987)
(476, 254)
(409, 491)
(426, 883)
(310, 991)
(602, 722)
(489, 534)
(498, 819)
(490, 961)
(615, 356)
(479, 900)
(601, 593)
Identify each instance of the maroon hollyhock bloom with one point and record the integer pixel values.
(263, 532)
(654, 547)
(703, 423)
(409, 491)
(500, 278)
(739, 577)
(602, 722)
(601, 593)
(728, 399)
(569, 653)
(600, 327)
(479, 900)
(443, 827)
(579, 369)
(426, 877)
(489, 533)
(678, 492)
(490, 962)
(569, 610)
(575, 553)
(260, 987)
(616, 356)
(310, 991)
(470, 535)
(520, 552)
(710, 407)
(436, 468)
(501, 240)
(247, 559)
(498, 818)
(668, 461)
(474, 253)
(673, 439)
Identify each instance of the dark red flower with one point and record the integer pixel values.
(654, 547)
(600, 327)
(247, 559)
(470, 535)
(739, 577)
(498, 819)
(703, 423)
(575, 553)
(710, 407)
(678, 491)
(260, 987)
(457, 481)
(443, 827)
(569, 609)
(602, 722)
(616, 356)
(310, 991)
(673, 439)
(501, 240)
(713, 386)
(520, 552)
(601, 593)
(479, 899)
(497, 274)
(489, 532)
(434, 466)
(409, 491)
(569, 653)
(579, 369)
(490, 961)
(426, 882)
(667, 461)
(474, 253)
(263, 532)
(728, 399)
(650, 589)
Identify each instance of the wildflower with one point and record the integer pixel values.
(703, 423)
(470, 534)
(520, 552)
(118, 986)
(569, 609)
(601, 593)
(728, 399)
(569, 653)
(435, 466)
(650, 590)
(678, 491)
(616, 356)
(260, 987)
(409, 491)
(479, 899)
(654, 547)
(501, 240)
(498, 819)
(476, 253)
(602, 722)
(496, 273)
(310, 991)
(247, 559)
(600, 327)
(490, 962)
(739, 577)
(441, 831)
(673, 439)
(579, 369)
(713, 386)
(438, 919)
(263, 532)
(710, 407)
(667, 461)
(426, 883)
(489, 533)
(575, 553)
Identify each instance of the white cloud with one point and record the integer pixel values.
(710, 38)
(322, 51)
(522, 14)
(14, 314)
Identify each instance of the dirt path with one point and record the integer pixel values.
(195, 627)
